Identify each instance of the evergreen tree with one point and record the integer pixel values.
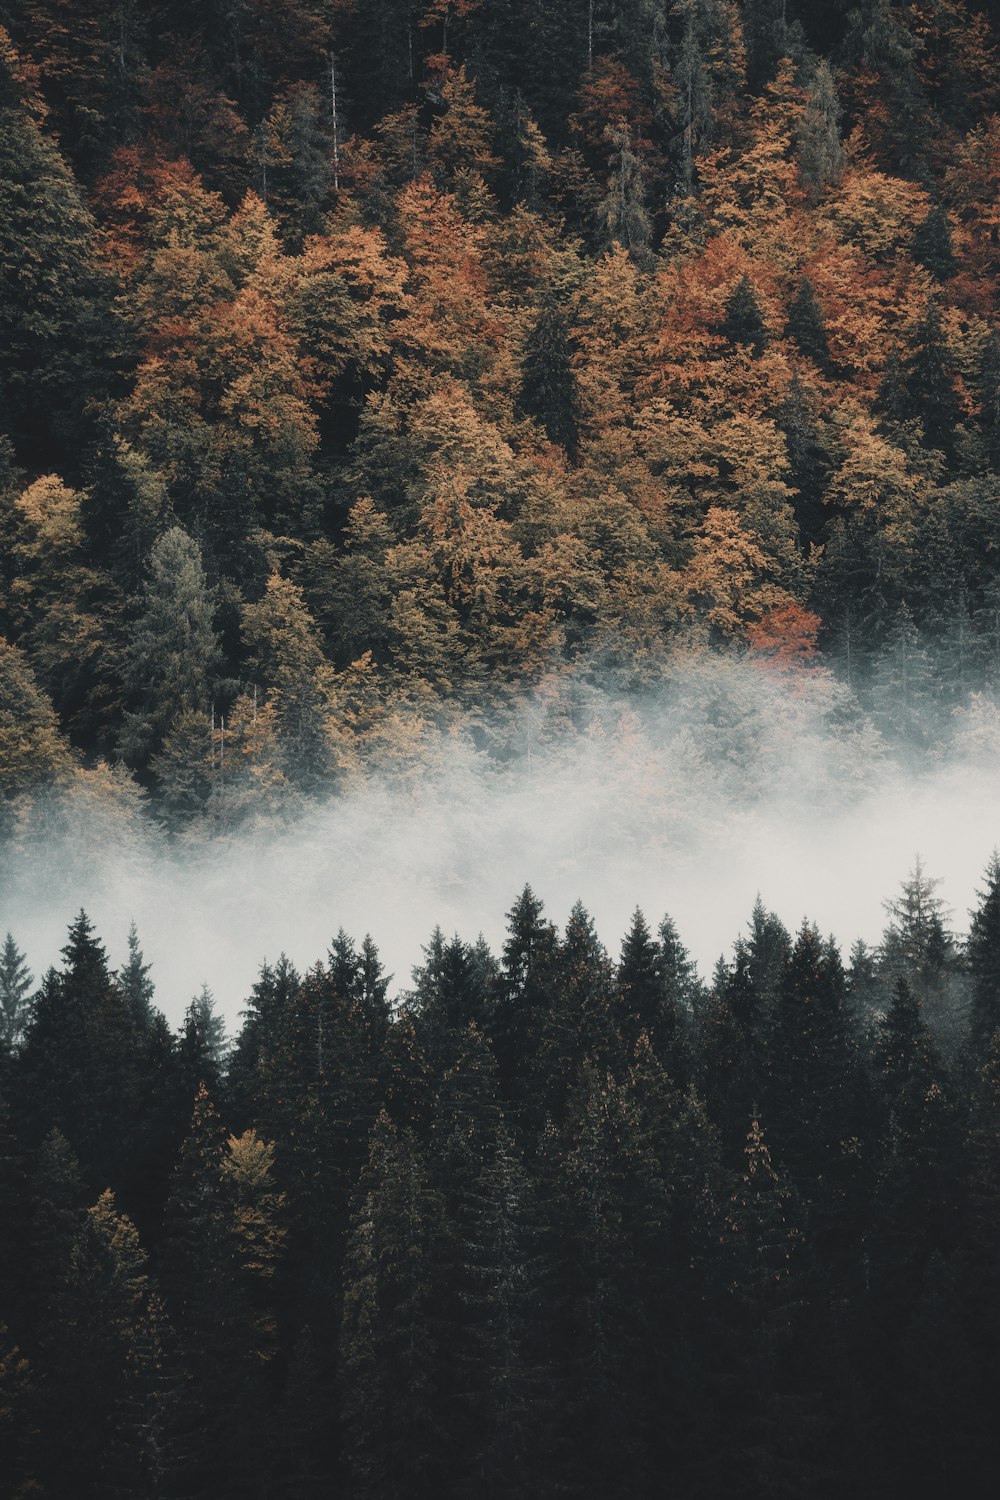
(173, 647)
(81, 1063)
(57, 334)
(932, 244)
(982, 954)
(930, 383)
(805, 324)
(136, 985)
(391, 1362)
(743, 323)
(548, 382)
(622, 214)
(15, 987)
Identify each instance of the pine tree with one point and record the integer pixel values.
(136, 985)
(982, 955)
(15, 987)
(657, 986)
(929, 390)
(391, 1364)
(932, 244)
(173, 647)
(743, 323)
(201, 1047)
(622, 214)
(805, 324)
(524, 993)
(766, 35)
(81, 1063)
(820, 153)
(56, 325)
(548, 382)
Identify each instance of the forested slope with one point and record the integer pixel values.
(365, 365)
(557, 1226)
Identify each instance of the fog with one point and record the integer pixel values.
(690, 798)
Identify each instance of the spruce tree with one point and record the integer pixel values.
(173, 648)
(548, 381)
(743, 323)
(805, 324)
(391, 1363)
(982, 955)
(136, 985)
(15, 987)
(56, 326)
(932, 244)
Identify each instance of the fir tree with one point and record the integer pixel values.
(805, 324)
(136, 985)
(932, 244)
(15, 987)
(173, 646)
(982, 954)
(743, 323)
(548, 382)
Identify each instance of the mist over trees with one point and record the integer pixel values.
(364, 368)
(554, 1221)
(389, 387)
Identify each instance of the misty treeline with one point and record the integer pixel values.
(364, 366)
(552, 1225)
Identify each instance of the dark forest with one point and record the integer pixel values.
(554, 1225)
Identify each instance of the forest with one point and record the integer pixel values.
(389, 387)
(366, 367)
(553, 1225)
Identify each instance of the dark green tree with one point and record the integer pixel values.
(806, 325)
(743, 323)
(932, 244)
(548, 381)
(15, 987)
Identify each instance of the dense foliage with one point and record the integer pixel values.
(365, 364)
(555, 1225)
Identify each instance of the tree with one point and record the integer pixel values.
(81, 1062)
(390, 1360)
(982, 955)
(548, 381)
(286, 658)
(136, 985)
(622, 213)
(806, 325)
(223, 1241)
(932, 244)
(15, 987)
(33, 753)
(744, 322)
(766, 38)
(56, 324)
(173, 647)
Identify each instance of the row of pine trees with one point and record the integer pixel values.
(553, 1225)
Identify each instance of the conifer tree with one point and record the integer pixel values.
(743, 323)
(391, 1364)
(56, 328)
(548, 382)
(932, 244)
(136, 985)
(15, 987)
(982, 954)
(806, 326)
(173, 647)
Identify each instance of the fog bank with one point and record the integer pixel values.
(726, 781)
